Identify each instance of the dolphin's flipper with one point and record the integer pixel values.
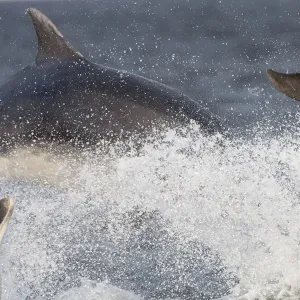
(6, 210)
(51, 43)
(288, 84)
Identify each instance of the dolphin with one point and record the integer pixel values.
(63, 97)
(288, 84)
(6, 210)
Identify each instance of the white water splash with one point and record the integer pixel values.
(240, 200)
(96, 291)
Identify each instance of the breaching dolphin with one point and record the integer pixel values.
(64, 97)
(6, 210)
(288, 84)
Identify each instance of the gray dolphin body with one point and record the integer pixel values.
(64, 97)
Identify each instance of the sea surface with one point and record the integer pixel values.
(182, 218)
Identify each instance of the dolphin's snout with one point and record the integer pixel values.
(270, 72)
(273, 76)
(288, 84)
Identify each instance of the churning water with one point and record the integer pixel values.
(182, 218)
(185, 217)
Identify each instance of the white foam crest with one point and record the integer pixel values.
(97, 291)
(240, 199)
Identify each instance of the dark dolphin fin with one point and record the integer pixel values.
(288, 84)
(51, 43)
(6, 210)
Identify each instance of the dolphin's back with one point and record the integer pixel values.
(92, 101)
(63, 96)
(155, 96)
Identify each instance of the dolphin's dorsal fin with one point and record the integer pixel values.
(51, 43)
